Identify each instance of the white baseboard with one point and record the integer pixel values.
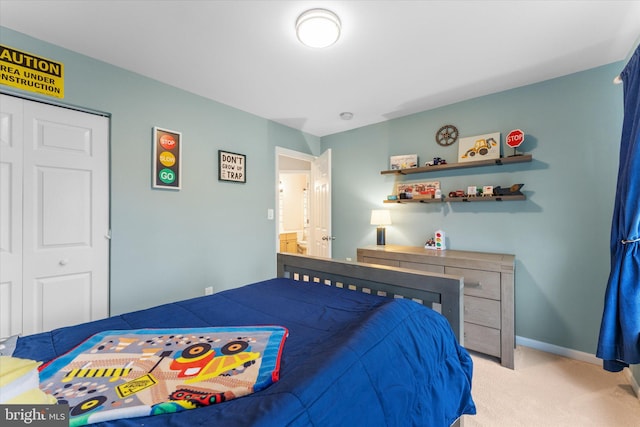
(560, 351)
(633, 382)
(576, 355)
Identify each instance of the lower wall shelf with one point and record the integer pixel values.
(461, 199)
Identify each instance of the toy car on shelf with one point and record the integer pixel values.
(457, 193)
(514, 190)
(436, 161)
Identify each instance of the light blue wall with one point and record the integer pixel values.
(170, 245)
(560, 234)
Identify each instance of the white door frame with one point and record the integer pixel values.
(55, 103)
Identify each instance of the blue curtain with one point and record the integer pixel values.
(619, 342)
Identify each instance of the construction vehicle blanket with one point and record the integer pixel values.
(124, 374)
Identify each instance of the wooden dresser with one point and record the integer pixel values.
(488, 290)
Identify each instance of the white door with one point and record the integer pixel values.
(321, 205)
(10, 215)
(65, 217)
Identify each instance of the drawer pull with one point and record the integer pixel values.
(473, 285)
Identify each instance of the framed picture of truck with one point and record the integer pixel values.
(480, 147)
(406, 161)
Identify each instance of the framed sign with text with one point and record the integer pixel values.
(167, 157)
(232, 167)
(26, 71)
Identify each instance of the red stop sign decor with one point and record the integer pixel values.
(168, 142)
(515, 138)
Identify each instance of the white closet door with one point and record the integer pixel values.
(10, 216)
(65, 217)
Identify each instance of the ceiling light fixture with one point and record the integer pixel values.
(318, 28)
(346, 115)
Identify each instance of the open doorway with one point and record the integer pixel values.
(303, 197)
(293, 208)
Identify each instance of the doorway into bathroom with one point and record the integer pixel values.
(303, 192)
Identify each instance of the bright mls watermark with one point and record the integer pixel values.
(34, 415)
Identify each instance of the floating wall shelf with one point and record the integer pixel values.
(491, 162)
(462, 199)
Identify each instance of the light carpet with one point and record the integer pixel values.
(550, 390)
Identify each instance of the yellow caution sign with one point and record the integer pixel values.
(134, 386)
(29, 72)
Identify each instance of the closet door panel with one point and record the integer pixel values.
(66, 223)
(65, 300)
(11, 170)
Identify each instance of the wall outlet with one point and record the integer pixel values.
(349, 259)
(208, 290)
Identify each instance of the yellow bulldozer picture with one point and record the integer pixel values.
(481, 147)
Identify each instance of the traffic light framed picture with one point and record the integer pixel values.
(167, 158)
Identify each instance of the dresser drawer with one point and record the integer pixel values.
(482, 339)
(381, 261)
(482, 311)
(478, 283)
(422, 267)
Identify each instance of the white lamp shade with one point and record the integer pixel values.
(380, 217)
(318, 28)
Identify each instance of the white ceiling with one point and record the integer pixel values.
(394, 57)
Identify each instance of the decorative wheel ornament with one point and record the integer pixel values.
(447, 135)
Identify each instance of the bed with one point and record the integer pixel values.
(357, 349)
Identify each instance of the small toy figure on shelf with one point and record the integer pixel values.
(487, 191)
(436, 242)
(436, 161)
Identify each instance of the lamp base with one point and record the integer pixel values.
(380, 236)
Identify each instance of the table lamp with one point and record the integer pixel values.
(380, 217)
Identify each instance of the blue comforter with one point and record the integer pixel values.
(350, 359)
